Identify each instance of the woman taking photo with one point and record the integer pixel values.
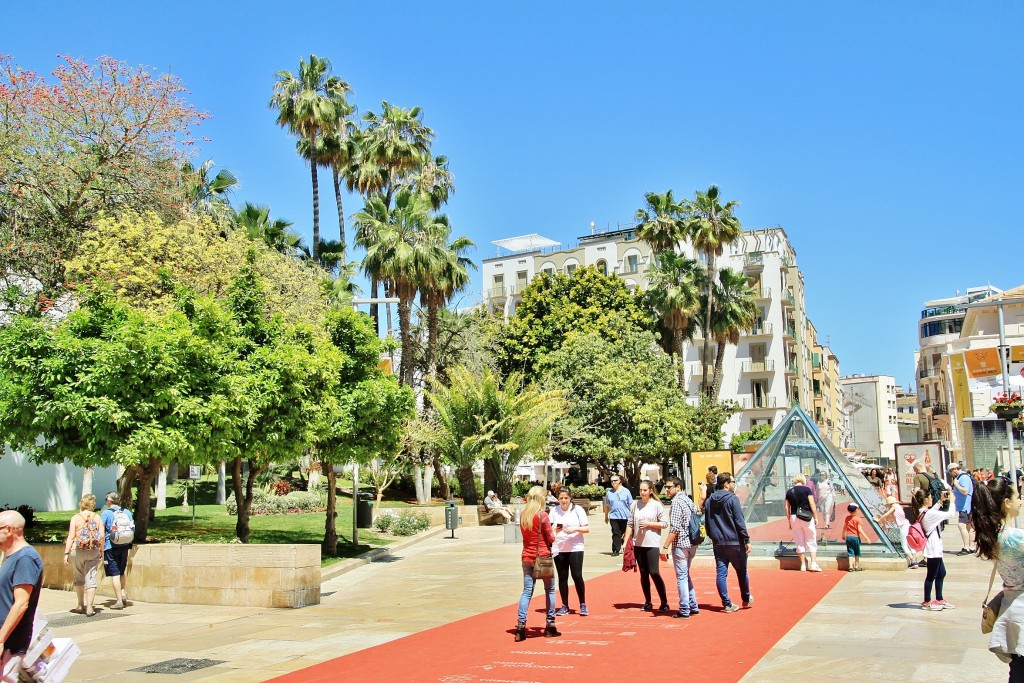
(537, 540)
(801, 513)
(646, 520)
(996, 504)
(931, 516)
(570, 523)
(84, 550)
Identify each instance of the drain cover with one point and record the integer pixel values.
(59, 620)
(177, 666)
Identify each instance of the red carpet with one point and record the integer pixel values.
(778, 529)
(606, 646)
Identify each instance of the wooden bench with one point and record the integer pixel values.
(488, 517)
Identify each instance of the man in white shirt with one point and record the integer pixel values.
(494, 504)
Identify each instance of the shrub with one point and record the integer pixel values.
(383, 522)
(521, 488)
(408, 523)
(264, 503)
(281, 488)
(588, 491)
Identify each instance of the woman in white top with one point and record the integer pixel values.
(646, 520)
(995, 505)
(895, 515)
(570, 523)
(930, 515)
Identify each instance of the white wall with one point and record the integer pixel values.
(48, 487)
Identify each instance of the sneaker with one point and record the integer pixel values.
(749, 601)
(814, 568)
(681, 615)
(732, 607)
(803, 567)
(694, 612)
(583, 611)
(120, 605)
(647, 607)
(925, 604)
(963, 551)
(946, 605)
(615, 553)
(935, 606)
(561, 611)
(664, 609)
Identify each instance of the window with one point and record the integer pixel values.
(550, 272)
(602, 267)
(632, 263)
(570, 268)
(942, 327)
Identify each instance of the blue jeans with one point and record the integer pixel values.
(549, 594)
(737, 557)
(683, 558)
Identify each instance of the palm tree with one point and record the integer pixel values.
(398, 253)
(207, 193)
(310, 105)
(661, 222)
(255, 220)
(710, 227)
(335, 149)
(675, 292)
(735, 309)
(449, 276)
(433, 179)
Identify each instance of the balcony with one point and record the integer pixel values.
(787, 262)
(752, 366)
(753, 261)
(788, 300)
(791, 368)
(765, 293)
(791, 330)
(928, 372)
(940, 409)
(759, 403)
(500, 292)
(762, 330)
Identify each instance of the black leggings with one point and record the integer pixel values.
(936, 575)
(1016, 669)
(647, 559)
(566, 563)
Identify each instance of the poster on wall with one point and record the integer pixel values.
(928, 452)
(700, 461)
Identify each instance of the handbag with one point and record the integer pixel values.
(543, 567)
(990, 608)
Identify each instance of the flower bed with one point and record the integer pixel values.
(264, 503)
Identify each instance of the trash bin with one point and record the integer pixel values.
(364, 511)
(451, 516)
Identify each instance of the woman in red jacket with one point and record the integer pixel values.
(537, 540)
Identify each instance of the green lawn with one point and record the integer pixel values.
(214, 525)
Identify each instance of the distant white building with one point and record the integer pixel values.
(873, 410)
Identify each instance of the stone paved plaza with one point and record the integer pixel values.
(870, 623)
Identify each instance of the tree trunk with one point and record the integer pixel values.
(417, 482)
(428, 484)
(705, 386)
(222, 494)
(716, 385)
(443, 489)
(126, 486)
(404, 331)
(677, 353)
(316, 202)
(375, 308)
(467, 484)
(432, 339)
(341, 213)
(330, 545)
(145, 478)
(161, 489)
(87, 477)
(243, 497)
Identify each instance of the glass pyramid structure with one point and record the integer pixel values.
(796, 447)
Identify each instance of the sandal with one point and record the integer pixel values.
(91, 614)
(78, 610)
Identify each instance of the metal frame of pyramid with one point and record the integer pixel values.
(794, 445)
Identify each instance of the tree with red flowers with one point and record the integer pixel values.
(96, 137)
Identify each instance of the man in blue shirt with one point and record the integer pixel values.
(616, 511)
(21, 578)
(963, 492)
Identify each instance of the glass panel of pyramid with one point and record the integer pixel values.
(796, 447)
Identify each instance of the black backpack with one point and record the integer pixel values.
(696, 527)
(936, 488)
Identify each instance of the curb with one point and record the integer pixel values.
(345, 566)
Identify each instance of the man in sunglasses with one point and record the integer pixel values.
(21, 578)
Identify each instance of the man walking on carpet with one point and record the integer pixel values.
(678, 545)
(723, 519)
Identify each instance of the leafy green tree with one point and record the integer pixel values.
(623, 403)
(207, 193)
(759, 433)
(479, 416)
(711, 227)
(113, 385)
(255, 221)
(555, 307)
(96, 137)
(675, 293)
(368, 411)
(311, 104)
(735, 310)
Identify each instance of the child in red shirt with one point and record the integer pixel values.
(853, 529)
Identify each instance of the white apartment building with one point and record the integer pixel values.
(940, 325)
(766, 374)
(873, 409)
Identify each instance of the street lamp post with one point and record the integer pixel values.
(356, 303)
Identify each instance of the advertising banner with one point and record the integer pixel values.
(984, 373)
(700, 461)
(928, 452)
(961, 390)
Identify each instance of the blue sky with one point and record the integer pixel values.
(884, 137)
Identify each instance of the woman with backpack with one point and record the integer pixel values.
(896, 516)
(570, 523)
(84, 550)
(930, 515)
(996, 504)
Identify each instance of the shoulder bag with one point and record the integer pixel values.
(543, 567)
(990, 608)
(802, 512)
